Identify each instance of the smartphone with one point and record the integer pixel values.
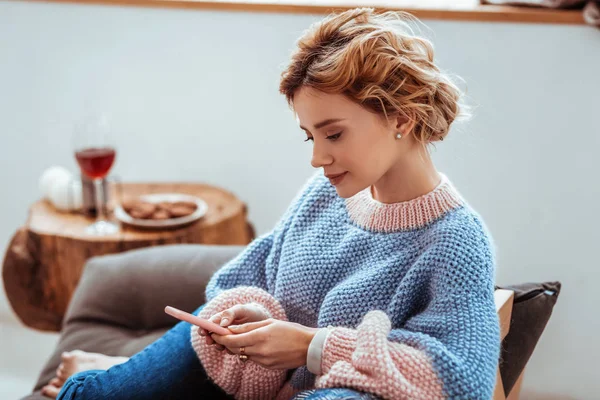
(194, 320)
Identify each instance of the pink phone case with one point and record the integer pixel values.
(194, 320)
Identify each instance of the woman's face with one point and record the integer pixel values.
(348, 139)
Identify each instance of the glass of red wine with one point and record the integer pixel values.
(95, 154)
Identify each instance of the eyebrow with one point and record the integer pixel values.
(324, 123)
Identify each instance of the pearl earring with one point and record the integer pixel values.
(398, 135)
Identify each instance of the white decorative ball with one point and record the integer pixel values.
(52, 176)
(66, 194)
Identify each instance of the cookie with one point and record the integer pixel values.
(164, 205)
(161, 214)
(137, 214)
(180, 211)
(143, 210)
(188, 204)
(128, 205)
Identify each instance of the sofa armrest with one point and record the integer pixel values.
(131, 289)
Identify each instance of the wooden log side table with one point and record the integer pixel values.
(45, 258)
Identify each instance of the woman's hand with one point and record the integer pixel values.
(238, 314)
(271, 343)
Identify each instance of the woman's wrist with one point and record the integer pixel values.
(315, 350)
(308, 334)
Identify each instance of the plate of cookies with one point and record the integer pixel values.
(161, 210)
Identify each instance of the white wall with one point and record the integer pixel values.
(195, 97)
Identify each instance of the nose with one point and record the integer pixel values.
(320, 157)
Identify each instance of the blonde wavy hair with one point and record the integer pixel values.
(376, 60)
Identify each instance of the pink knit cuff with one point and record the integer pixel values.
(364, 359)
(340, 344)
(242, 380)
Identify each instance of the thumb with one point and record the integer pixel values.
(231, 314)
(227, 316)
(250, 326)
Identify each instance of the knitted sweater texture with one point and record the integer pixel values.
(405, 290)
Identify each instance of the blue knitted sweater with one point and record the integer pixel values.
(426, 267)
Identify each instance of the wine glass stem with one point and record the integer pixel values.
(100, 216)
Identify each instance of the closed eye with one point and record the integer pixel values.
(335, 137)
(331, 137)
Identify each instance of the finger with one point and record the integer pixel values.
(248, 350)
(229, 315)
(207, 338)
(216, 338)
(236, 341)
(216, 318)
(250, 326)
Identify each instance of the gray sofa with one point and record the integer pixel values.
(117, 308)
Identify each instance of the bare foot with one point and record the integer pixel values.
(76, 361)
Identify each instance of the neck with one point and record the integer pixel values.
(407, 180)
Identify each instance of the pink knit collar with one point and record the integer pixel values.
(371, 214)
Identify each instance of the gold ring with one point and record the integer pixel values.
(243, 356)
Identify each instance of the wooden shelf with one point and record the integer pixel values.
(458, 10)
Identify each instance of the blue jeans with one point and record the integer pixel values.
(166, 369)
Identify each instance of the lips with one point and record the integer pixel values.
(337, 179)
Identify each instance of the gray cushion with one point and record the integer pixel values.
(532, 308)
(117, 308)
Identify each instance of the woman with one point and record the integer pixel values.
(378, 280)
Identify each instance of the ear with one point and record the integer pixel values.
(401, 123)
